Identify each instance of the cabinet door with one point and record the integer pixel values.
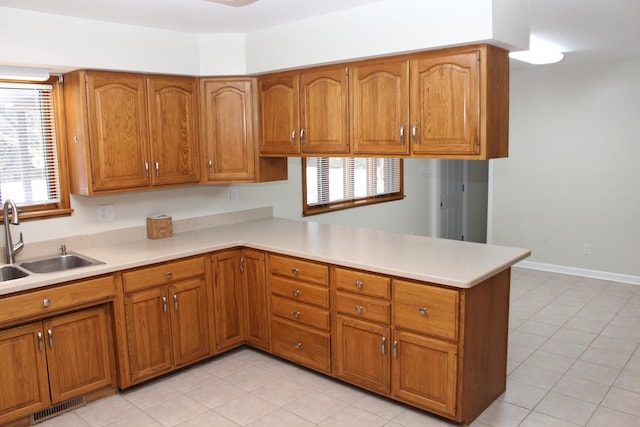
(189, 321)
(227, 120)
(256, 311)
(78, 353)
(279, 114)
(379, 105)
(23, 374)
(425, 372)
(445, 104)
(173, 111)
(117, 130)
(148, 332)
(228, 301)
(362, 354)
(323, 112)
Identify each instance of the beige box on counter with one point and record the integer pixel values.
(159, 227)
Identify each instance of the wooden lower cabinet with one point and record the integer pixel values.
(425, 372)
(228, 300)
(54, 360)
(306, 346)
(256, 309)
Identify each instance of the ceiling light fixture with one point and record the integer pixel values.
(234, 2)
(23, 73)
(538, 54)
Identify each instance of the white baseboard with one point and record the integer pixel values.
(594, 274)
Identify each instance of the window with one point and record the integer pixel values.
(332, 183)
(31, 171)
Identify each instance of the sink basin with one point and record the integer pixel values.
(55, 263)
(10, 272)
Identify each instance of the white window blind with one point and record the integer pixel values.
(28, 155)
(336, 179)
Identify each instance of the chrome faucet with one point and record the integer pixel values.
(12, 250)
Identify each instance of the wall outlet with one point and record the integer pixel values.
(586, 249)
(106, 213)
(233, 195)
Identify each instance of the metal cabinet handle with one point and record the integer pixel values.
(146, 168)
(295, 270)
(157, 169)
(298, 345)
(414, 133)
(175, 302)
(293, 137)
(359, 308)
(210, 166)
(168, 274)
(296, 293)
(46, 302)
(395, 349)
(40, 342)
(402, 134)
(302, 133)
(242, 265)
(296, 314)
(422, 311)
(359, 284)
(384, 346)
(50, 333)
(164, 304)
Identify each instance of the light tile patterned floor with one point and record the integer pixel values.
(574, 360)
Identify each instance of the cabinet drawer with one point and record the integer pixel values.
(294, 290)
(301, 345)
(64, 297)
(308, 271)
(363, 283)
(426, 309)
(300, 313)
(162, 273)
(363, 308)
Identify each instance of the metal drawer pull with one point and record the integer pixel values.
(295, 271)
(175, 302)
(164, 304)
(298, 345)
(296, 314)
(168, 275)
(359, 308)
(50, 333)
(395, 349)
(40, 343)
(46, 302)
(296, 292)
(359, 284)
(422, 311)
(384, 346)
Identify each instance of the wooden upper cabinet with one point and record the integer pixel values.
(304, 112)
(173, 109)
(445, 104)
(279, 119)
(324, 111)
(228, 129)
(379, 110)
(118, 136)
(130, 131)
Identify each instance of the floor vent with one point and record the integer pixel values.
(51, 412)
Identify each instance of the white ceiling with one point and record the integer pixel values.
(586, 30)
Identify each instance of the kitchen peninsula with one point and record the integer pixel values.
(417, 319)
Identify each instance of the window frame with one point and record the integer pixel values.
(352, 202)
(63, 207)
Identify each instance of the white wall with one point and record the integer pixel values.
(572, 174)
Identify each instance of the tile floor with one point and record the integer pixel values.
(574, 360)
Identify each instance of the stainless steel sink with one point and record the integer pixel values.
(59, 262)
(10, 272)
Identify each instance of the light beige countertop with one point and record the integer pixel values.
(440, 261)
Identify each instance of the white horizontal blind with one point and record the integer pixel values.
(28, 156)
(337, 179)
